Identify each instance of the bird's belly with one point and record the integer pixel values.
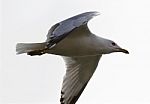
(74, 47)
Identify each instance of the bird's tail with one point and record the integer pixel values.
(31, 48)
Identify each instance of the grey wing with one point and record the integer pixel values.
(62, 29)
(78, 73)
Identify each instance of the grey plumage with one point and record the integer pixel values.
(60, 30)
(80, 49)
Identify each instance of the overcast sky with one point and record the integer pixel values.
(119, 78)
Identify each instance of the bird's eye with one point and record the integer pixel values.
(113, 43)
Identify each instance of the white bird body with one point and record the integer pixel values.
(77, 45)
(80, 49)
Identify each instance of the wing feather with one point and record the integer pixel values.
(60, 30)
(78, 73)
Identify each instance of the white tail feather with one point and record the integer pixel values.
(29, 47)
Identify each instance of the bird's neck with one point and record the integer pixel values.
(102, 45)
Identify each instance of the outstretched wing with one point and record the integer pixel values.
(78, 73)
(62, 29)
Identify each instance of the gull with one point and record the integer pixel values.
(80, 49)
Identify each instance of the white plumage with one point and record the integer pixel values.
(80, 49)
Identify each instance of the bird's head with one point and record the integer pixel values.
(111, 46)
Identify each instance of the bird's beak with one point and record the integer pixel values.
(123, 50)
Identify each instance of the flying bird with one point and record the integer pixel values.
(80, 49)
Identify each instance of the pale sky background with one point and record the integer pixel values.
(119, 78)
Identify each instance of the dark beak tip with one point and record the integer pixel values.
(127, 52)
(124, 51)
